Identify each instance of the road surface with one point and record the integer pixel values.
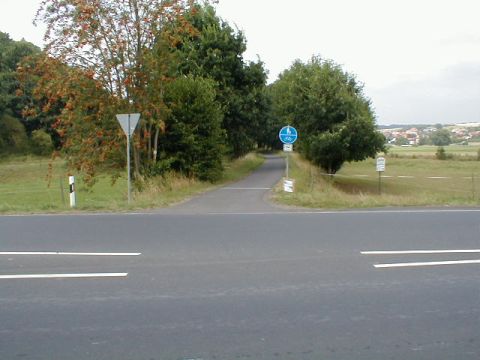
(242, 281)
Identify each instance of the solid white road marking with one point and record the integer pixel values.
(403, 252)
(62, 276)
(245, 188)
(407, 211)
(65, 253)
(432, 263)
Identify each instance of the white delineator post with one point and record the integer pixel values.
(71, 182)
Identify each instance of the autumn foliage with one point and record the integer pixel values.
(153, 57)
(103, 58)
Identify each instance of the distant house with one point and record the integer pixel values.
(413, 136)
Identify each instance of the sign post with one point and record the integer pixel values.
(288, 135)
(128, 122)
(380, 169)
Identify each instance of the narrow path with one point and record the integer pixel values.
(246, 196)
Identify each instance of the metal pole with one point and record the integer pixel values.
(128, 158)
(380, 182)
(287, 164)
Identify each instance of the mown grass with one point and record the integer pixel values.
(357, 184)
(458, 152)
(27, 185)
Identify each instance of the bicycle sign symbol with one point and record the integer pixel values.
(288, 135)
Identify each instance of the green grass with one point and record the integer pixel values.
(26, 187)
(357, 184)
(459, 152)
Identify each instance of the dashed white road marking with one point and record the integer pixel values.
(410, 252)
(65, 253)
(62, 276)
(431, 263)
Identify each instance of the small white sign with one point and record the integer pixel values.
(288, 147)
(288, 185)
(381, 164)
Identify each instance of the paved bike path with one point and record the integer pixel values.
(249, 195)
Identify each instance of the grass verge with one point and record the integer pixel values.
(406, 182)
(26, 188)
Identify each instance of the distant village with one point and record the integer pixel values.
(412, 135)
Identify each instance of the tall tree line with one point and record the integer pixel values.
(177, 63)
(181, 67)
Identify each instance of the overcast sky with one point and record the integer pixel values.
(419, 59)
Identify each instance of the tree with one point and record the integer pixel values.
(109, 45)
(12, 53)
(335, 121)
(13, 137)
(215, 51)
(441, 137)
(401, 141)
(194, 140)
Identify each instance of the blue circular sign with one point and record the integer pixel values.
(288, 135)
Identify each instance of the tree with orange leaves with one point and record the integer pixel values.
(105, 57)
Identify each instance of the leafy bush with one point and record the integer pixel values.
(194, 139)
(13, 137)
(42, 143)
(441, 154)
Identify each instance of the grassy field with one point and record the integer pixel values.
(459, 152)
(406, 182)
(26, 187)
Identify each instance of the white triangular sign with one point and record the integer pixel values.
(123, 119)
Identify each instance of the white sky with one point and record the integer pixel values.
(419, 59)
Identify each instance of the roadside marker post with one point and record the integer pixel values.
(128, 122)
(71, 183)
(288, 135)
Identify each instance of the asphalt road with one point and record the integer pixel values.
(257, 283)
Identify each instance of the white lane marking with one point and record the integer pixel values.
(245, 188)
(280, 212)
(62, 276)
(405, 177)
(438, 177)
(431, 263)
(65, 253)
(403, 252)
(361, 175)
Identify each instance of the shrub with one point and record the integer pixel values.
(194, 142)
(13, 137)
(41, 142)
(441, 154)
